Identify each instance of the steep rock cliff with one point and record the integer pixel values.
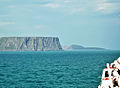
(29, 44)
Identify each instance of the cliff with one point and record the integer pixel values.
(29, 44)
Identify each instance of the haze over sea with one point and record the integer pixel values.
(54, 69)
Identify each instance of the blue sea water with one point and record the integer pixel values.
(59, 69)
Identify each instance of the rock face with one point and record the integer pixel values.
(29, 44)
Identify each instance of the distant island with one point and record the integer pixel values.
(38, 44)
(30, 44)
(79, 47)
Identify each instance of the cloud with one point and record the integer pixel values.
(6, 23)
(73, 6)
(67, 1)
(51, 5)
(108, 6)
(104, 6)
(91, 7)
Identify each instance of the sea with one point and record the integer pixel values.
(54, 69)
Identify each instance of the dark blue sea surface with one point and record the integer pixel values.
(60, 69)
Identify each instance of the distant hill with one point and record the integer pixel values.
(79, 47)
(75, 47)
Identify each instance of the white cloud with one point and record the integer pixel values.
(48, 5)
(108, 7)
(67, 1)
(51, 5)
(6, 23)
(104, 6)
(81, 6)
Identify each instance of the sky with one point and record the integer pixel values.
(94, 23)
